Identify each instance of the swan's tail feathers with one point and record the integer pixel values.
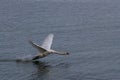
(48, 42)
(39, 48)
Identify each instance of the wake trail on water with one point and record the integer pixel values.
(19, 59)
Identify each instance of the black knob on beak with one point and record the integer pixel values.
(67, 53)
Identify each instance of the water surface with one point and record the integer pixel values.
(88, 29)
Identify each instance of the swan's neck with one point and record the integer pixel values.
(60, 53)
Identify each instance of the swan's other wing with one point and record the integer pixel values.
(48, 42)
(40, 49)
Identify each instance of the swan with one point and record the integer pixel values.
(45, 48)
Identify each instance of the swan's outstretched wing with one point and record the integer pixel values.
(48, 42)
(40, 49)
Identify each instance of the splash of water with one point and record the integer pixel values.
(25, 58)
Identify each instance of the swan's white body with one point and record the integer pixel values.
(45, 48)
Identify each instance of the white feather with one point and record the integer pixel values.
(48, 42)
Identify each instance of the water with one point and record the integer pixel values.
(88, 29)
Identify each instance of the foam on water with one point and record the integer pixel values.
(25, 58)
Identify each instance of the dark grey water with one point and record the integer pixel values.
(88, 29)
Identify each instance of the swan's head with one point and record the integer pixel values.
(67, 53)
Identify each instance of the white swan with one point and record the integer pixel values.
(45, 48)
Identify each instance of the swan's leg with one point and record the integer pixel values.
(36, 57)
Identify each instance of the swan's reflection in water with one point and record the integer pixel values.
(41, 66)
(37, 70)
(47, 72)
(42, 71)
